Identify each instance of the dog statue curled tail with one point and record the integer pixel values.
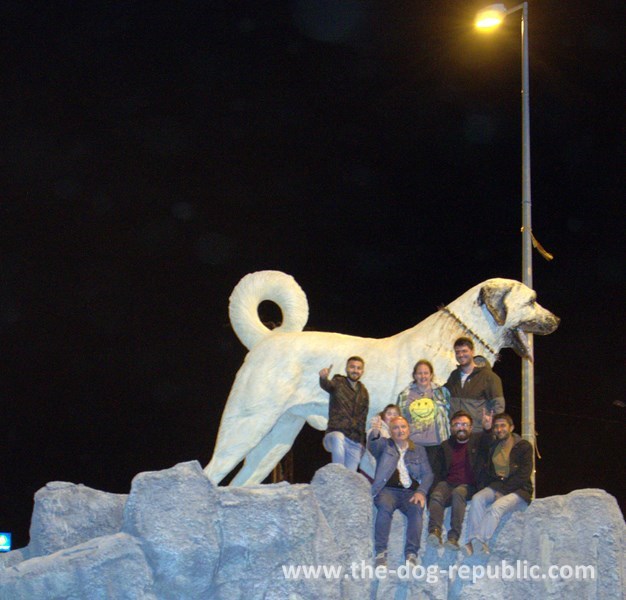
(276, 390)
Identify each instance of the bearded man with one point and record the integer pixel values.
(458, 469)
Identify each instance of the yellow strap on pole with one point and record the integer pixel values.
(539, 247)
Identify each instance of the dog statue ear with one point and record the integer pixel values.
(493, 297)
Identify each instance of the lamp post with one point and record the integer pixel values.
(488, 18)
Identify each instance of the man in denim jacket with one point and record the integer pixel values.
(403, 478)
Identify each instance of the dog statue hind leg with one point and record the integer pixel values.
(250, 414)
(262, 459)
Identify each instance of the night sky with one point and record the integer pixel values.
(153, 153)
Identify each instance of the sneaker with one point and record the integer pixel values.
(411, 559)
(452, 544)
(381, 559)
(434, 538)
(480, 547)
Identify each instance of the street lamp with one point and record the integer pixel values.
(486, 19)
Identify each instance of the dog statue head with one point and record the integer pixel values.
(514, 308)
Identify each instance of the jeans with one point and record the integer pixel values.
(444, 495)
(343, 450)
(486, 512)
(387, 501)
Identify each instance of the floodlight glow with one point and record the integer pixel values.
(5, 542)
(491, 16)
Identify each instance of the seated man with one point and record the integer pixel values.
(509, 488)
(457, 468)
(403, 478)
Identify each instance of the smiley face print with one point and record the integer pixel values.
(422, 412)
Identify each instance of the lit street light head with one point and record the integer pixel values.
(490, 17)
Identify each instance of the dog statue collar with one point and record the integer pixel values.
(470, 331)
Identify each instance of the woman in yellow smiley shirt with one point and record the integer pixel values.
(427, 409)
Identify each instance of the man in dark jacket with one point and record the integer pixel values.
(458, 469)
(347, 413)
(509, 487)
(474, 387)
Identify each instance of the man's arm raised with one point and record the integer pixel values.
(325, 383)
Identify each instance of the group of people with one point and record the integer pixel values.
(437, 447)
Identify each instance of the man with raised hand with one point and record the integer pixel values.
(347, 413)
(403, 478)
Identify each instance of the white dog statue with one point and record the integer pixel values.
(276, 390)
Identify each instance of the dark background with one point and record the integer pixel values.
(153, 153)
